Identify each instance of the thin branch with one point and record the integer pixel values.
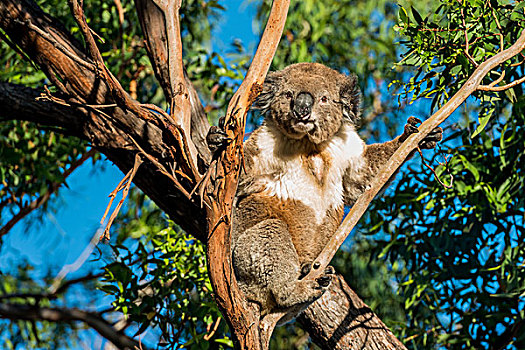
(162, 169)
(471, 59)
(118, 93)
(65, 315)
(37, 203)
(54, 293)
(445, 164)
(491, 87)
(180, 103)
(471, 85)
(123, 186)
(66, 51)
(57, 285)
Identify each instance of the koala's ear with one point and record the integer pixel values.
(350, 98)
(270, 88)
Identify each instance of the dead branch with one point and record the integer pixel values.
(121, 97)
(57, 284)
(123, 186)
(445, 164)
(65, 315)
(470, 86)
(180, 103)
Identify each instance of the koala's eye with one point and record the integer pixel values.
(288, 95)
(324, 99)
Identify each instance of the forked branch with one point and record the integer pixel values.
(180, 104)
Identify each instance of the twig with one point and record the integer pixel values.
(471, 59)
(56, 285)
(120, 96)
(406, 148)
(52, 294)
(57, 44)
(162, 169)
(445, 164)
(497, 81)
(491, 87)
(125, 190)
(67, 315)
(212, 332)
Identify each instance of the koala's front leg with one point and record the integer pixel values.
(376, 155)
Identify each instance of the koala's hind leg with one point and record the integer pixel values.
(268, 270)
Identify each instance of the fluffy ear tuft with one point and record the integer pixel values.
(270, 88)
(350, 98)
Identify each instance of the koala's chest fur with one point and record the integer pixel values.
(298, 183)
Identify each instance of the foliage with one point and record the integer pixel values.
(441, 267)
(461, 249)
(447, 45)
(162, 282)
(31, 161)
(23, 334)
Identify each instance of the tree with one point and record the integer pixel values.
(165, 153)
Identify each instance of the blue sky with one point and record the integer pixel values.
(64, 235)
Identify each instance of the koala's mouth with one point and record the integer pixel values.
(303, 126)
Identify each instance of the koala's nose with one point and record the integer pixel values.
(303, 105)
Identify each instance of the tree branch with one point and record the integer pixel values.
(339, 320)
(470, 86)
(491, 87)
(104, 328)
(169, 75)
(243, 317)
(110, 130)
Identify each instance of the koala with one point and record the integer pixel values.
(302, 166)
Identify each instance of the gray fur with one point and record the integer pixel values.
(299, 175)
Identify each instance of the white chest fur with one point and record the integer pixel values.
(291, 170)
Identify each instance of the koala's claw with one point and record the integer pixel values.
(305, 269)
(217, 139)
(432, 139)
(324, 281)
(329, 270)
(429, 141)
(411, 127)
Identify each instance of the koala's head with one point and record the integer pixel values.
(310, 100)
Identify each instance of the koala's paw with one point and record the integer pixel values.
(432, 139)
(429, 141)
(217, 139)
(325, 280)
(305, 270)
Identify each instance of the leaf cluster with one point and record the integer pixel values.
(448, 44)
(161, 283)
(462, 249)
